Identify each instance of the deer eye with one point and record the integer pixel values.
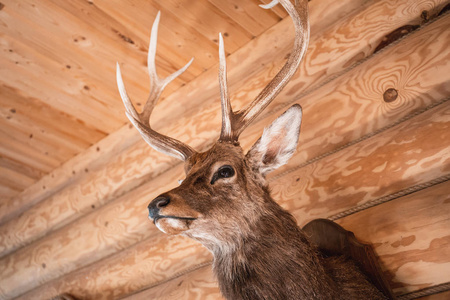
(223, 172)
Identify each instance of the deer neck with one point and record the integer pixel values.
(269, 260)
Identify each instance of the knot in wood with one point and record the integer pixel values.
(390, 95)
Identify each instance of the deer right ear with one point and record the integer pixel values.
(278, 142)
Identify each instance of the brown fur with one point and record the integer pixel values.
(259, 251)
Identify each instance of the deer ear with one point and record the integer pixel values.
(278, 142)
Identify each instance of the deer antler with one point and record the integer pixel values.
(141, 120)
(233, 123)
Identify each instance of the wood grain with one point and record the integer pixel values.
(150, 261)
(247, 15)
(95, 157)
(411, 237)
(438, 296)
(199, 284)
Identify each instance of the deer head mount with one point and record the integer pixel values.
(222, 180)
(224, 202)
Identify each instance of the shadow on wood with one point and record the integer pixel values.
(332, 240)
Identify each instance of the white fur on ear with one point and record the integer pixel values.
(278, 142)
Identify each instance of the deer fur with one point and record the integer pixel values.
(259, 251)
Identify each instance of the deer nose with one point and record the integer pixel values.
(156, 204)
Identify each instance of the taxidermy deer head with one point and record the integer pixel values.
(224, 202)
(217, 181)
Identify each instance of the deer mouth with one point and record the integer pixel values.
(158, 217)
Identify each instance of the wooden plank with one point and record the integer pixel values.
(208, 20)
(175, 49)
(13, 165)
(34, 115)
(142, 157)
(248, 14)
(14, 150)
(439, 296)
(35, 140)
(199, 284)
(14, 180)
(7, 192)
(129, 270)
(410, 235)
(70, 172)
(77, 51)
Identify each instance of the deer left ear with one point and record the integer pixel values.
(278, 142)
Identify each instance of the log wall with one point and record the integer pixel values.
(377, 164)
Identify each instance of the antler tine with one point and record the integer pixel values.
(241, 119)
(227, 112)
(141, 120)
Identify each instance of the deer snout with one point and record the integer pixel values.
(156, 204)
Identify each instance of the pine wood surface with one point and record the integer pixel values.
(128, 174)
(199, 284)
(438, 296)
(99, 183)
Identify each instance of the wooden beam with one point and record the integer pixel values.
(198, 284)
(248, 15)
(410, 235)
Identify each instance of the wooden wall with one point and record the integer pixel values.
(374, 155)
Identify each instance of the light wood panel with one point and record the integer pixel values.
(128, 271)
(20, 232)
(198, 284)
(411, 237)
(247, 15)
(69, 173)
(438, 296)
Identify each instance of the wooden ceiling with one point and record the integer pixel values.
(57, 76)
